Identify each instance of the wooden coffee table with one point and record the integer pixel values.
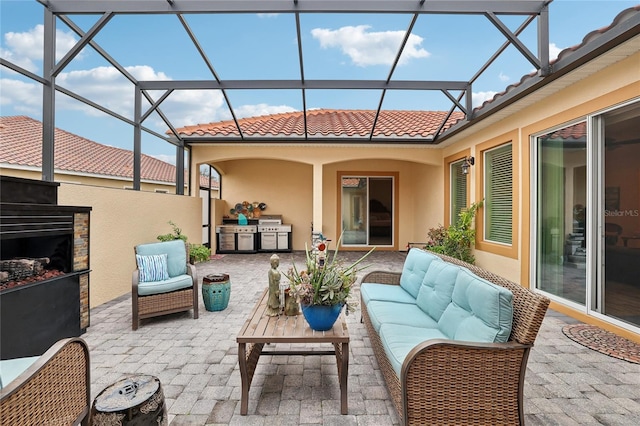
(260, 329)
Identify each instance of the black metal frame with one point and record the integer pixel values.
(456, 91)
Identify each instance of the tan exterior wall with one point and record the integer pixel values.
(120, 219)
(259, 173)
(615, 85)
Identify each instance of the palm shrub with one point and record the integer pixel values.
(458, 239)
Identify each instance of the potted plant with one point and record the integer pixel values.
(324, 286)
(197, 252)
(457, 240)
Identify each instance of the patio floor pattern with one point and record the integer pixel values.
(196, 362)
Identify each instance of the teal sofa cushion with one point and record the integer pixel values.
(414, 268)
(165, 286)
(391, 293)
(437, 288)
(480, 311)
(399, 339)
(12, 368)
(381, 312)
(175, 251)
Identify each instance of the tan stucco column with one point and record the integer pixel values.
(317, 197)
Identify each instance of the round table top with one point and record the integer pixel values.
(127, 393)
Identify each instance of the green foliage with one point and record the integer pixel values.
(175, 235)
(457, 240)
(199, 253)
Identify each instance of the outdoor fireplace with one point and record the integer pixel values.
(44, 267)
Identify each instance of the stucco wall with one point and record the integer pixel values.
(613, 85)
(120, 219)
(287, 186)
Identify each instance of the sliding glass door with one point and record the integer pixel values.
(621, 214)
(587, 210)
(367, 210)
(561, 236)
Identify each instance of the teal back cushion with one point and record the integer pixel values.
(176, 255)
(479, 311)
(437, 288)
(414, 269)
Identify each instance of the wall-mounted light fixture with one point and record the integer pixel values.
(467, 162)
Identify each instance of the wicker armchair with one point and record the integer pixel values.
(445, 382)
(165, 300)
(54, 390)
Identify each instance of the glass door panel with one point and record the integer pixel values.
(561, 213)
(621, 218)
(367, 210)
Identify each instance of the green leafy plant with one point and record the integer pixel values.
(456, 240)
(324, 281)
(175, 235)
(199, 253)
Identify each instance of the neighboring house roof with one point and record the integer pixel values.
(323, 122)
(21, 145)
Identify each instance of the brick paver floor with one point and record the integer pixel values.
(196, 362)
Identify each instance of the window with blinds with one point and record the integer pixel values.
(498, 205)
(458, 190)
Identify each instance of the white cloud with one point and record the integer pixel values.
(503, 77)
(367, 48)
(268, 15)
(554, 51)
(26, 48)
(261, 109)
(478, 98)
(24, 98)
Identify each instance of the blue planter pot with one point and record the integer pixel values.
(321, 317)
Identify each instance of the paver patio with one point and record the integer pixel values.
(196, 362)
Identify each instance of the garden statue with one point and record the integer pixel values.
(273, 304)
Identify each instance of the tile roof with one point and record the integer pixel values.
(323, 122)
(566, 54)
(21, 144)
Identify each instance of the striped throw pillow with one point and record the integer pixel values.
(152, 267)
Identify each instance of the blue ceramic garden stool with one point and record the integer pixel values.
(216, 289)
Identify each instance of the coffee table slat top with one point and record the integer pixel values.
(260, 328)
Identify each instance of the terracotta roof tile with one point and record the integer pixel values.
(593, 35)
(21, 144)
(328, 122)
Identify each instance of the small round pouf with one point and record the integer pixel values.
(134, 401)
(321, 317)
(216, 289)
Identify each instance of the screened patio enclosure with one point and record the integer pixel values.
(283, 71)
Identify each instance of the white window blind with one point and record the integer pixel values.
(498, 203)
(458, 195)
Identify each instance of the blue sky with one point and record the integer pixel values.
(156, 47)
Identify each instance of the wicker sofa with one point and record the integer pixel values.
(449, 346)
(52, 389)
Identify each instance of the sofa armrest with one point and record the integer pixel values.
(452, 381)
(382, 277)
(56, 389)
